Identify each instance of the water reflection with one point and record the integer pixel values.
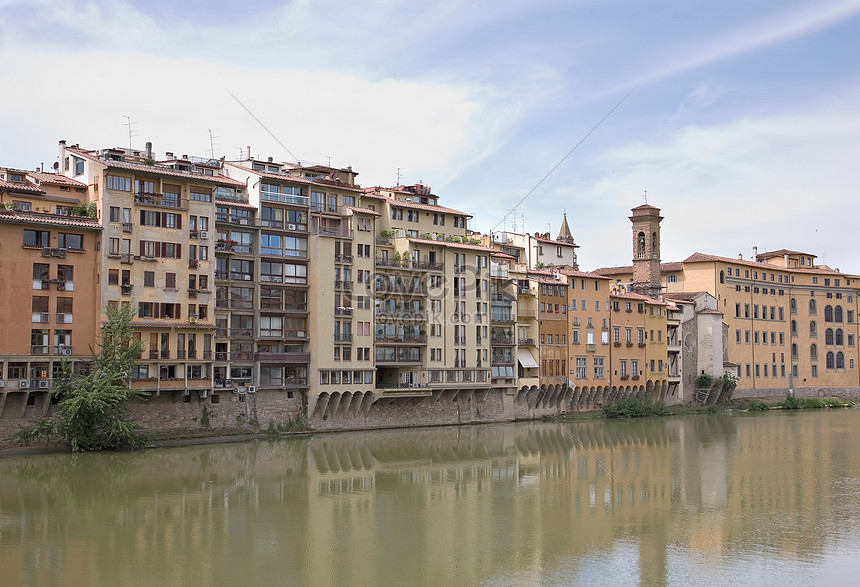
(702, 499)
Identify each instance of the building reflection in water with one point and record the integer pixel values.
(650, 501)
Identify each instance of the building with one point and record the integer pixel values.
(49, 260)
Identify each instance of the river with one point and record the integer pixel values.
(750, 499)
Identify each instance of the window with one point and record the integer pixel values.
(837, 314)
(70, 241)
(813, 352)
(37, 238)
(812, 307)
(598, 368)
(813, 329)
(115, 182)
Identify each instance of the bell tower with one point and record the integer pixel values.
(646, 250)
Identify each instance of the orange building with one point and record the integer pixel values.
(49, 262)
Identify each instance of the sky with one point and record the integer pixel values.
(739, 119)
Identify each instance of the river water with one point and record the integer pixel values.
(751, 499)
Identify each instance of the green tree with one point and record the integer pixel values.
(93, 409)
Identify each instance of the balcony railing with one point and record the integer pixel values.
(343, 311)
(526, 342)
(160, 200)
(401, 288)
(343, 285)
(403, 339)
(340, 337)
(332, 231)
(503, 340)
(401, 314)
(284, 198)
(343, 258)
(292, 358)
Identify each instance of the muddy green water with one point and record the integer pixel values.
(727, 499)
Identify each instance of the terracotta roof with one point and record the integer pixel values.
(451, 244)
(305, 180)
(552, 281)
(574, 273)
(19, 187)
(427, 207)
(502, 255)
(55, 179)
(782, 253)
(703, 258)
(236, 204)
(156, 170)
(684, 296)
(708, 311)
(636, 296)
(363, 210)
(664, 268)
(49, 219)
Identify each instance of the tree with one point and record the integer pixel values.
(92, 413)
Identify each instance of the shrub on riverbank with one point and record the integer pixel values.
(635, 408)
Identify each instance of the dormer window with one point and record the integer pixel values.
(16, 178)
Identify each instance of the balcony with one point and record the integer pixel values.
(343, 285)
(339, 337)
(127, 226)
(336, 231)
(292, 358)
(526, 342)
(41, 317)
(404, 315)
(427, 266)
(343, 258)
(501, 317)
(159, 200)
(503, 341)
(343, 311)
(241, 332)
(284, 198)
(399, 357)
(403, 339)
(223, 246)
(526, 313)
(400, 288)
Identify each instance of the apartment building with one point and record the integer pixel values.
(50, 311)
(158, 255)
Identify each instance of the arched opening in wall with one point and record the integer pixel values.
(654, 245)
(722, 277)
(640, 245)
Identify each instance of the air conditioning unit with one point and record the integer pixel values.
(192, 293)
(61, 253)
(243, 221)
(66, 350)
(228, 383)
(24, 384)
(292, 227)
(204, 234)
(47, 252)
(252, 389)
(61, 286)
(44, 384)
(204, 394)
(300, 334)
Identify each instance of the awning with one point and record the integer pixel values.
(526, 360)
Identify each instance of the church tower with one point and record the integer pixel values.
(646, 250)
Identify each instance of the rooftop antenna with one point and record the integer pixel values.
(329, 160)
(399, 175)
(211, 144)
(645, 197)
(131, 131)
(241, 152)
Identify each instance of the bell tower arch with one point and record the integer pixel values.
(646, 250)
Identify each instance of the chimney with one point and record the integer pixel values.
(148, 150)
(168, 154)
(270, 159)
(62, 155)
(249, 153)
(741, 256)
(786, 259)
(755, 253)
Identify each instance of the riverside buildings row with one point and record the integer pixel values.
(264, 291)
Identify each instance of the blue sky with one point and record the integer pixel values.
(743, 124)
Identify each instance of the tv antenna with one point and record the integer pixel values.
(399, 175)
(211, 144)
(131, 131)
(645, 197)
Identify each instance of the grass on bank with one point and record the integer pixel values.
(643, 407)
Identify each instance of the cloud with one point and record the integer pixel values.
(786, 180)
(373, 126)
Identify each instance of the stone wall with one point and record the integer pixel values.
(852, 393)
